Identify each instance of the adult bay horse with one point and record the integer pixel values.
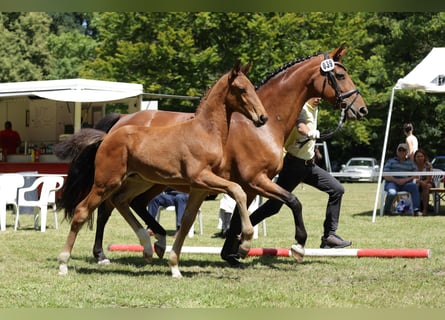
(131, 159)
(254, 161)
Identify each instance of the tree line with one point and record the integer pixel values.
(183, 53)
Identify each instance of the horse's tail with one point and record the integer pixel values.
(107, 122)
(80, 176)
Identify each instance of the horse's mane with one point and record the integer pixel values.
(207, 94)
(285, 67)
(270, 75)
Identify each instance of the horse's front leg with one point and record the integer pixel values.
(194, 202)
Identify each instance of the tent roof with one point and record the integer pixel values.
(72, 90)
(428, 75)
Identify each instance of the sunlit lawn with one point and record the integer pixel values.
(28, 264)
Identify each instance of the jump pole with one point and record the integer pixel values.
(284, 252)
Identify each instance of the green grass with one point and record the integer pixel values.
(28, 264)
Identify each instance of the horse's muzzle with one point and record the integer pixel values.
(261, 121)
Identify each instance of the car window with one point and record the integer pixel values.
(365, 163)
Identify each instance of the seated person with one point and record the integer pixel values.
(424, 182)
(394, 184)
(168, 198)
(226, 207)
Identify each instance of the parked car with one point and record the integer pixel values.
(360, 169)
(439, 163)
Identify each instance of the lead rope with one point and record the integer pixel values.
(326, 136)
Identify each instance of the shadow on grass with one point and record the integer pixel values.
(363, 214)
(159, 267)
(369, 214)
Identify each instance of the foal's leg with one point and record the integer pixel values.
(267, 188)
(216, 183)
(121, 204)
(139, 205)
(81, 214)
(237, 193)
(195, 200)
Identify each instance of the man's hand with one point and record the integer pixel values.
(313, 134)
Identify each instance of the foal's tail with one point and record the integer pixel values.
(72, 147)
(81, 172)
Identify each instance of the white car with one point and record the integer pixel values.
(360, 169)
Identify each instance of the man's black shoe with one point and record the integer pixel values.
(233, 261)
(220, 234)
(334, 241)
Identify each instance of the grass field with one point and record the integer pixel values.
(28, 265)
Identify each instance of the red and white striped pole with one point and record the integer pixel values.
(283, 252)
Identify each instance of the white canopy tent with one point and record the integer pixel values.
(427, 76)
(73, 90)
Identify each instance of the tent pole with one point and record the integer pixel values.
(77, 116)
(382, 161)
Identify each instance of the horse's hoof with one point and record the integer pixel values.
(159, 250)
(297, 252)
(160, 245)
(104, 262)
(63, 270)
(243, 250)
(175, 272)
(148, 257)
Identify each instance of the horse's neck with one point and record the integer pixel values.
(284, 96)
(213, 114)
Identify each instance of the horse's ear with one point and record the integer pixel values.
(236, 69)
(246, 68)
(339, 52)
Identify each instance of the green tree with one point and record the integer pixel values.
(183, 53)
(399, 42)
(24, 53)
(69, 51)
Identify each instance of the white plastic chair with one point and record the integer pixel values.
(50, 184)
(437, 192)
(192, 229)
(398, 196)
(258, 201)
(9, 183)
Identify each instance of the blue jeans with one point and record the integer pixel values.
(166, 199)
(392, 188)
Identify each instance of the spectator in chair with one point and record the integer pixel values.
(166, 199)
(401, 163)
(423, 182)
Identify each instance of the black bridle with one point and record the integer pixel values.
(327, 69)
